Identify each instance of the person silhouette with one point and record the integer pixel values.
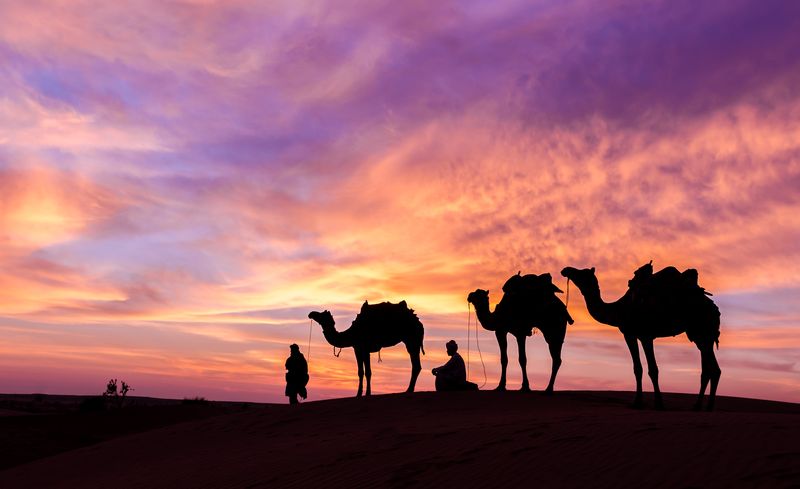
(296, 374)
(452, 376)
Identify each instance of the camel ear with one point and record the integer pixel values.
(592, 269)
(519, 273)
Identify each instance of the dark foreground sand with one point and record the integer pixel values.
(479, 439)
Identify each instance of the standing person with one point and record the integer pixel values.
(296, 374)
(452, 376)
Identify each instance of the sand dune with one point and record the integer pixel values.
(478, 439)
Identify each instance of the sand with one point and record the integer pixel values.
(477, 439)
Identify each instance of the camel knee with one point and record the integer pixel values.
(653, 373)
(637, 370)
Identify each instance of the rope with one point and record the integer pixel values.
(308, 350)
(567, 304)
(379, 357)
(337, 354)
(478, 343)
(469, 311)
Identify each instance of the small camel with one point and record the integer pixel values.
(528, 301)
(667, 303)
(377, 326)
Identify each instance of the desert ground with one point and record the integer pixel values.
(425, 439)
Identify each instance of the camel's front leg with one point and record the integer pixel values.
(416, 367)
(523, 363)
(710, 371)
(368, 372)
(555, 356)
(503, 344)
(652, 371)
(630, 340)
(360, 361)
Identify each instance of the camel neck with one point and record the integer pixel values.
(601, 311)
(336, 338)
(484, 316)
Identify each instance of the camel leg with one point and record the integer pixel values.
(715, 374)
(652, 371)
(416, 366)
(523, 363)
(503, 344)
(630, 340)
(360, 361)
(710, 372)
(368, 373)
(555, 356)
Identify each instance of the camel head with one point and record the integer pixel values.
(583, 279)
(324, 318)
(479, 298)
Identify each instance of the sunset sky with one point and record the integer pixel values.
(181, 182)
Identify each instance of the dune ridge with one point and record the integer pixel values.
(471, 439)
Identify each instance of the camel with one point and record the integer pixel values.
(528, 301)
(376, 326)
(667, 303)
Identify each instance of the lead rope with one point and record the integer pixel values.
(469, 311)
(337, 354)
(477, 342)
(567, 304)
(308, 350)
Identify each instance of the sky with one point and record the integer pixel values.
(181, 182)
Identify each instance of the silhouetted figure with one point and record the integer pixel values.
(528, 301)
(658, 305)
(375, 327)
(296, 374)
(452, 376)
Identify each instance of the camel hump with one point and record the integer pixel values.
(385, 308)
(669, 280)
(531, 284)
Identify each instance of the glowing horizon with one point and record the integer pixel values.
(182, 182)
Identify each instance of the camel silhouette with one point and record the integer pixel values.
(667, 303)
(376, 326)
(528, 301)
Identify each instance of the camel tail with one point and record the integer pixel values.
(422, 348)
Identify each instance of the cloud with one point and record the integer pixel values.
(211, 168)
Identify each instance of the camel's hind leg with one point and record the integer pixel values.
(502, 342)
(633, 346)
(416, 366)
(652, 370)
(710, 372)
(523, 363)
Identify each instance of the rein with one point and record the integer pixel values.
(477, 342)
(567, 304)
(308, 350)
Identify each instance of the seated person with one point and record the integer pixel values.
(452, 376)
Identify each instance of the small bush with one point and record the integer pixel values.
(196, 401)
(116, 397)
